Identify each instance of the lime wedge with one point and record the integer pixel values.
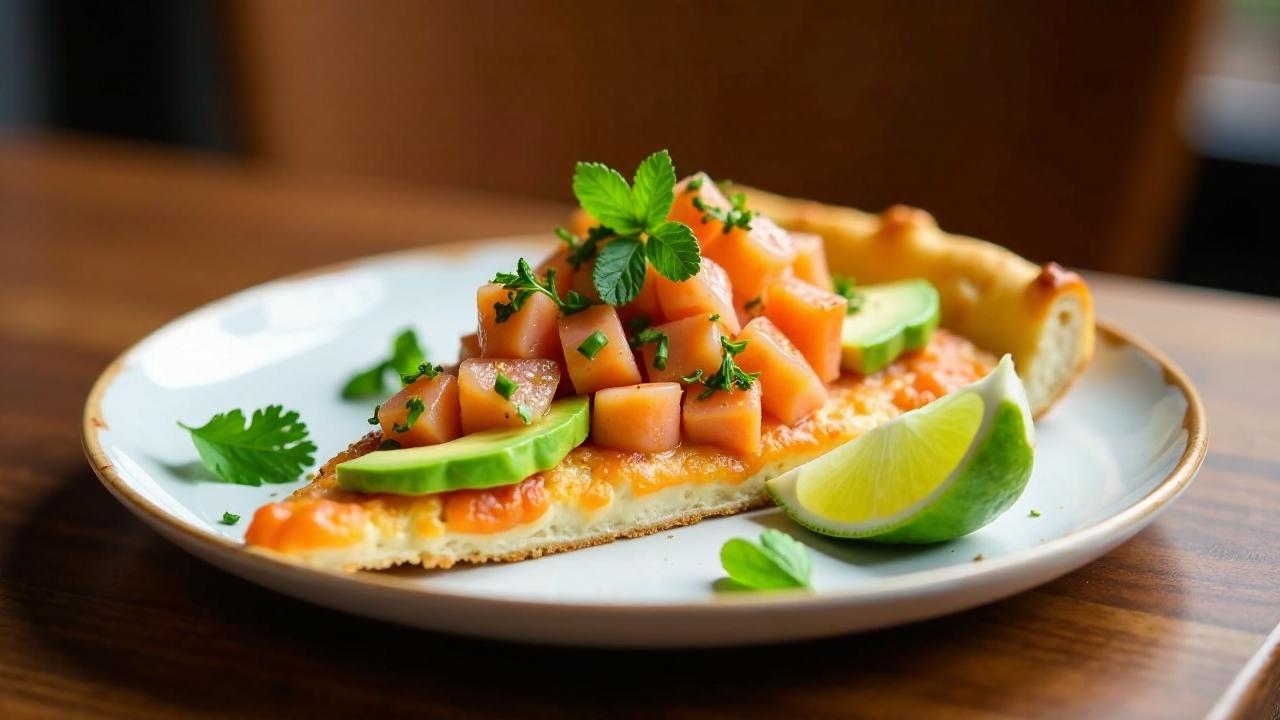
(929, 475)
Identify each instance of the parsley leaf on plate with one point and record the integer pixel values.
(778, 561)
(604, 193)
(406, 355)
(274, 447)
(620, 270)
(673, 251)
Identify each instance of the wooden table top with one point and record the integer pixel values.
(101, 244)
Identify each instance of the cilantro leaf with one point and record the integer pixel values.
(366, 383)
(406, 355)
(604, 193)
(779, 561)
(673, 251)
(654, 189)
(729, 377)
(523, 283)
(273, 448)
(620, 270)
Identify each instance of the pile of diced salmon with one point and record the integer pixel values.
(764, 286)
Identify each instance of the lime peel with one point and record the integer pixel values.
(929, 475)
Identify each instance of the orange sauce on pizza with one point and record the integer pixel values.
(307, 525)
(496, 509)
(325, 515)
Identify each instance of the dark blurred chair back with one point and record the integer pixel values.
(1051, 127)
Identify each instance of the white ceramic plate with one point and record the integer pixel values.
(1123, 443)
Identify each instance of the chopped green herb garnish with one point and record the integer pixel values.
(1034, 513)
(844, 287)
(504, 386)
(694, 184)
(736, 216)
(637, 215)
(777, 562)
(389, 444)
(649, 335)
(406, 354)
(522, 411)
(374, 420)
(415, 407)
(693, 377)
(522, 284)
(729, 377)
(426, 370)
(581, 250)
(592, 346)
(273, 447)
(229, 518)
(715, 318)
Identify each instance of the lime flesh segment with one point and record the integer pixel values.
(930, 475)
(479, 460)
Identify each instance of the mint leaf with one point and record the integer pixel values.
(778, 562)
(673, 250)
(789, 553)
(654, 189)
(620, 270)
(604, 194)
(273, 448)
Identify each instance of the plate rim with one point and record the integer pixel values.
(1124, 523)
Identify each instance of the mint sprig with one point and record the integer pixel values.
(637, 216)
(778, 562)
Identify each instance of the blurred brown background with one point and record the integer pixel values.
(1078, 131)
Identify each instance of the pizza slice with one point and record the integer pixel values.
(571, 422)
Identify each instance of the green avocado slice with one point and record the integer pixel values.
(479, 460)
(894, 318)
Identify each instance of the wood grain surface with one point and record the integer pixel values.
(99, 616)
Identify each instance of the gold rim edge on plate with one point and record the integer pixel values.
(1194, 422)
